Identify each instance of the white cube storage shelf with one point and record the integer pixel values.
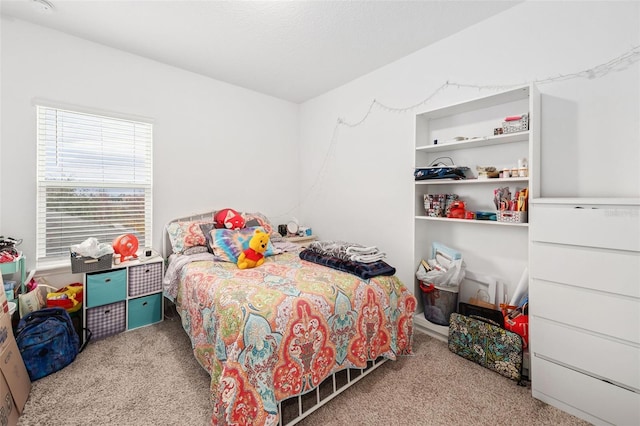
(126, 297)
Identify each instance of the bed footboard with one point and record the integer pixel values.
(293, 410)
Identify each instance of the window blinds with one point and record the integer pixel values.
(94, 180)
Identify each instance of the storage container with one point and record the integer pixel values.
(514, 126)
(107, 320)
(439, 302)
(106, 287)
(145, 310)
(438, 205)
(512, 216)
(145, 279)
(80, 264)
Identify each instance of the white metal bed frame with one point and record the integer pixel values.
(299, 407)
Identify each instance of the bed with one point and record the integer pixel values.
(282, 339)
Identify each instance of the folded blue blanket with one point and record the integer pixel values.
(362, 270)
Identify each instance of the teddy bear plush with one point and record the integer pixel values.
(254, 255)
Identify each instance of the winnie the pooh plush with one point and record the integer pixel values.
(254, 255)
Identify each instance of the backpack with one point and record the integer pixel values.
(47, 341)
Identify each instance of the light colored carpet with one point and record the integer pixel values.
(149, 376)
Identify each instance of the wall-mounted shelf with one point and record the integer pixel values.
(472, 221)
(478, 142)
(472, 181)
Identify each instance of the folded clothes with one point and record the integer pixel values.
(362, 270)
(368, 258)
(356, 250)
(333, 248)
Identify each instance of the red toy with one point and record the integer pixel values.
(457, 210)
(229, 219)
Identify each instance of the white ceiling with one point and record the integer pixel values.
(293, 50)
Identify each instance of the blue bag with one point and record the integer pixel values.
(47, 341)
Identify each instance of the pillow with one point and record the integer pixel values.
(258, 219)
(227, 244)
(195, 250)
(206, 229)
(251, 220)
(184, 235)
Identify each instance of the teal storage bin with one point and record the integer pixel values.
(145, 310)
(106, 287)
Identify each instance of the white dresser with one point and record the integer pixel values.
(585, 307)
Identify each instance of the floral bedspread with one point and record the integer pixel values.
(276, 331)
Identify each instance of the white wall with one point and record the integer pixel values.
(355, 183)
(215, 145)
(590, 127)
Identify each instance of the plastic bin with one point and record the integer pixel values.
(439, 302)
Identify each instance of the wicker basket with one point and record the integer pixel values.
(80, 264)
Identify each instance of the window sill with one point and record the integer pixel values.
(59, 267)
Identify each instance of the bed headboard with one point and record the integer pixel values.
(166, 243)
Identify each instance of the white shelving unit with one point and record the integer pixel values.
(498, 249)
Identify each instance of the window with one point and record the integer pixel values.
(94, 180)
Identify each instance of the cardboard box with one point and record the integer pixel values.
(15, 384)
(8, 411)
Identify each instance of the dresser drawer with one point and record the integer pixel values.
(597, 269)
(145, 310)
(552, 383)
(576, 348)
(106, 287)
(600, 312)
(145, 279)
(613, 227)
(107, 320)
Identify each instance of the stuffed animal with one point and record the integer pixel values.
(229, 219)
(254, 255)
(457, 210)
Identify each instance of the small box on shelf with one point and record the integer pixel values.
(515, 124)
(512, 216)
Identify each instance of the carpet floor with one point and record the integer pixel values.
(149, 376)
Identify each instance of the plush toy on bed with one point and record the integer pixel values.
(254, 255)
(228, 219)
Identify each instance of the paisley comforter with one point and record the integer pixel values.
(276, 331)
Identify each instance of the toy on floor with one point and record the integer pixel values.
(254, 255)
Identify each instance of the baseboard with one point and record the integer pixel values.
(425, 326)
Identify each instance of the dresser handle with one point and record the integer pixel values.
(108, 280)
